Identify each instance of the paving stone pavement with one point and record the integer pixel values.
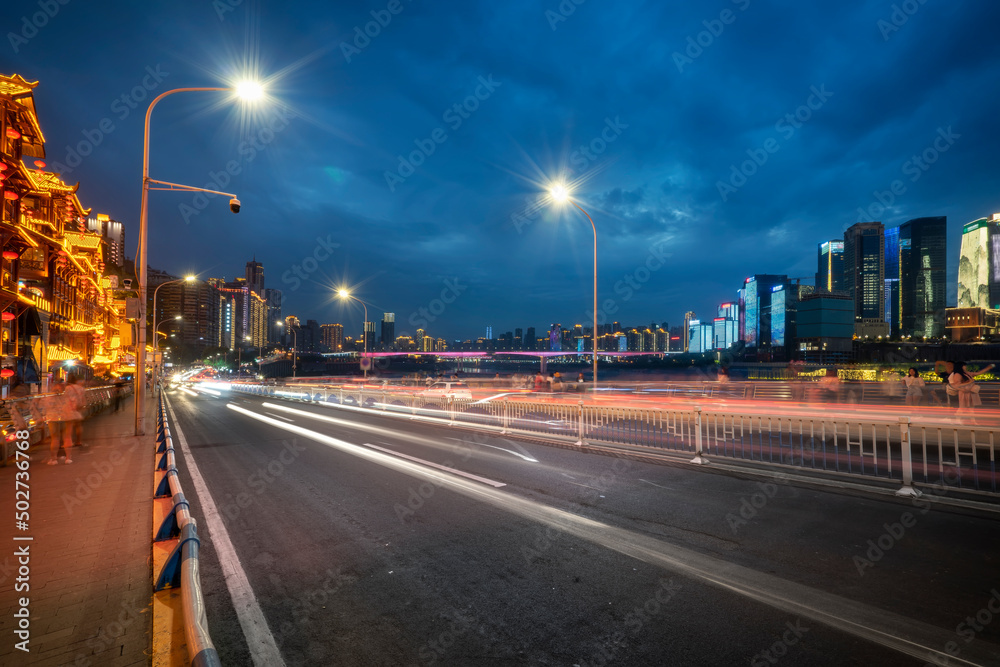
(90, 557)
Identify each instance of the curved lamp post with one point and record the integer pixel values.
(295, 342)
(560, 194)
(186, 279)
(344, 294)
(248, 91)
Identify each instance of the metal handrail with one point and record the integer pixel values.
(182, 567)
(898, 448)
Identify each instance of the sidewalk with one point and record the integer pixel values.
(89, 569)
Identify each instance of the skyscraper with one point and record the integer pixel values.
(113, 232)
(726, 325)
(555, 337)
(274, 329)
(332, 337)
(198, 305)
(979, 264)
(830, 266)
(864, 276)
(255, 277)
(893, 307)
(388, 329)
(530, 342)
(688, 317)
(923, 252)
(757, 322)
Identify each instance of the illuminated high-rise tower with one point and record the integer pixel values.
(893, 306)
(979, 264)
(255, 277)
(864, 276)
(757, 303)
(923, 253)
(830, 266)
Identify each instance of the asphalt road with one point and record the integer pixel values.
(379, 541)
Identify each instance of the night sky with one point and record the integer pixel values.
(709, 141)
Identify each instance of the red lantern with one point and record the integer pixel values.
(7, 317)
(39, 164)
(13, 134)
(9, 194)
(7, 373)
(3, 166)
(10, 254)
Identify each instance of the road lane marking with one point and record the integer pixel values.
(278, 416)
(263, 649)
(899, 633)
(655, 484)
(364, 449)
(484, 480)
(374, 429)
(503, 449)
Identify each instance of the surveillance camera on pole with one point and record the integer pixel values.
(234, 205)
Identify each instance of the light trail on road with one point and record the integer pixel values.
(893, 631)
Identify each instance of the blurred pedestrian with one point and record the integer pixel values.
(798, 388)
(892, 386)
(963, 381)
(53, 413)
(944, 369)
(74, 402)
(540, 382)
(119, 392)
(831, 384)
(914, 387)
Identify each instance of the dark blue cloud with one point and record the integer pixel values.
(468, 214)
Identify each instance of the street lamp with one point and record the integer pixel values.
(344, 294)
(239, 361)
(247, 91)
(295, 342)
(186, 279)
(560, 194)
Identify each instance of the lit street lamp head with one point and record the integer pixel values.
(343, 294)
(559, 193)
(249, 91)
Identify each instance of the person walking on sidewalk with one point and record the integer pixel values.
(51, 406)
(119, 392)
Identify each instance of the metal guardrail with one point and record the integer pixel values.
(908, 450)
(812, 390)
(181, 567)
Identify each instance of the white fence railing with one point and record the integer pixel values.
(899, 449)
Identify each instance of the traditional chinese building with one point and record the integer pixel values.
(56, 301)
